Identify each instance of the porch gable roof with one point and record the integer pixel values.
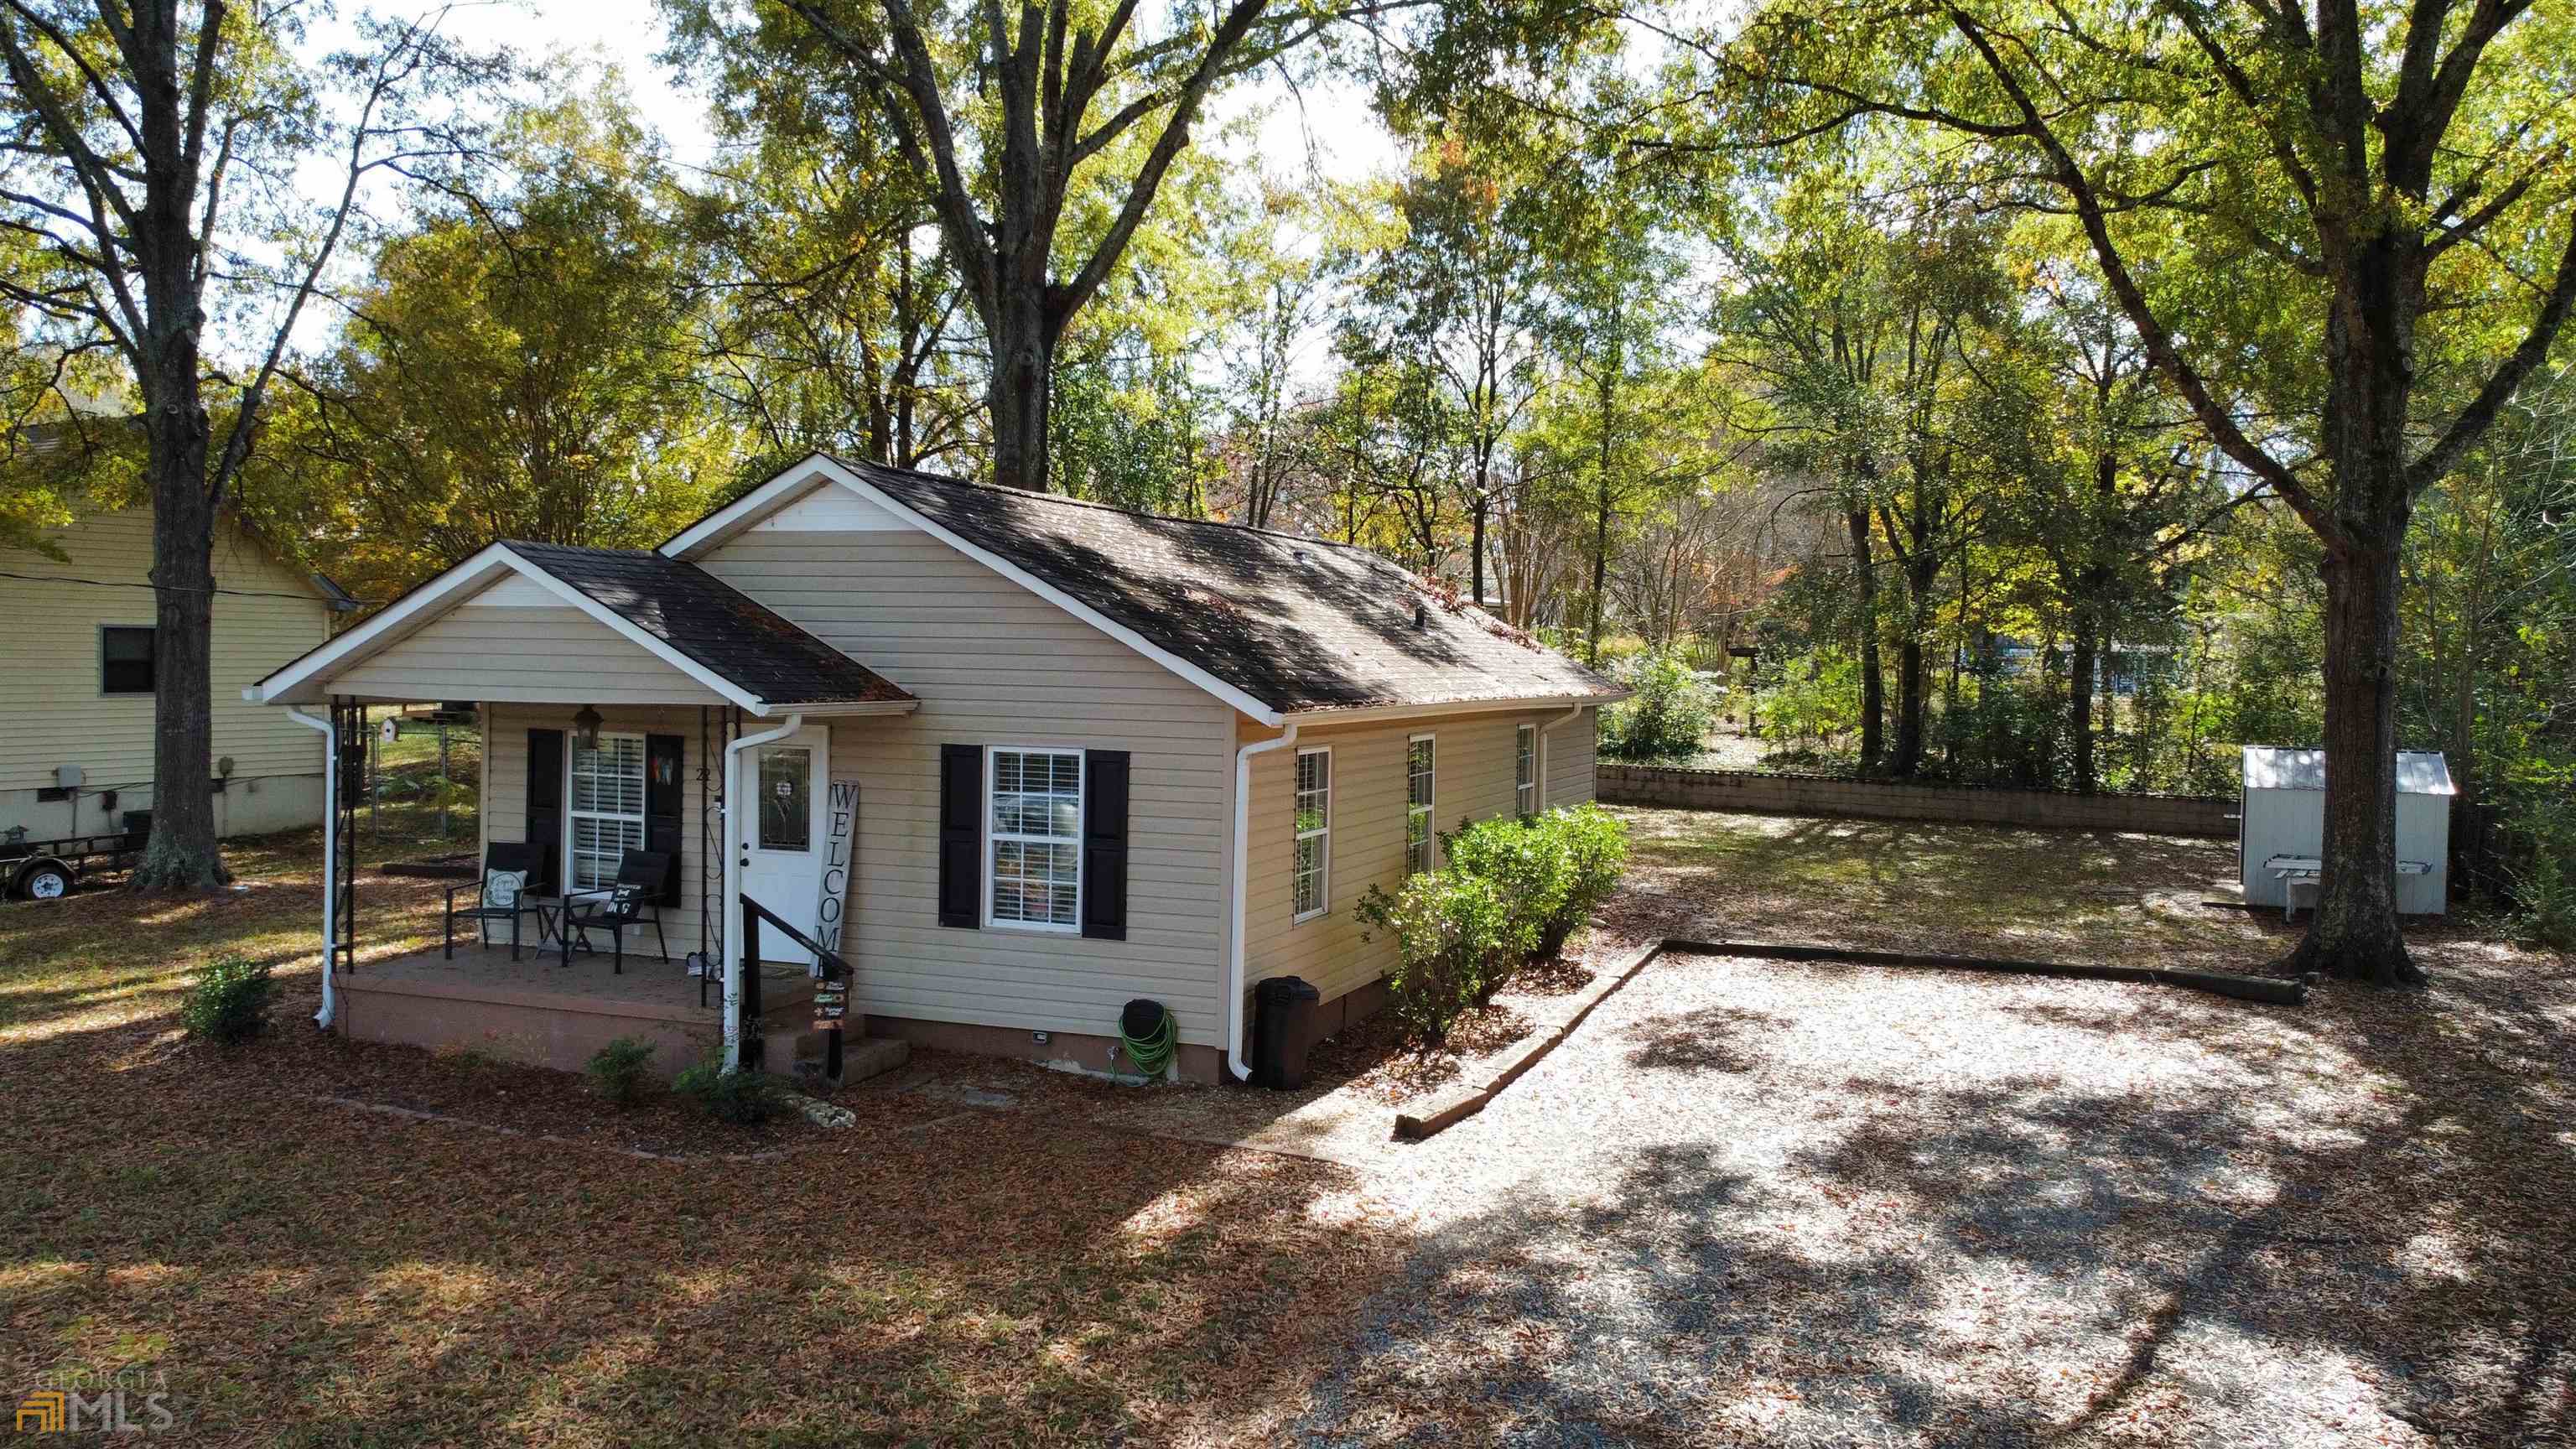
(699, 626)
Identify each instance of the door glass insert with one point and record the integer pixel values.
(786, 797)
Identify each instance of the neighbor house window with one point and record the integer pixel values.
(1420, 777)
(125, 659)
(604, 809)
(1314, 858)
(1036, 838)
(1525, 770)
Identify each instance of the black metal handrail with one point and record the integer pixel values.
(834, 969)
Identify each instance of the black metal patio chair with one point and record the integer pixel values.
(633, 899)
(516, 879)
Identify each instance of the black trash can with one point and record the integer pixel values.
(1283, 1031)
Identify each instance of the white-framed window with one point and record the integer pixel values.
(1525, 770)
(1033, 838)
(1421, 780)
(1311, 869)
(603, 809)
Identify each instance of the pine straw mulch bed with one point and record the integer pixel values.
(1757, 1202)
(304, 1273)
(1378, 1060)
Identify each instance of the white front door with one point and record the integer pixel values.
(784, 835)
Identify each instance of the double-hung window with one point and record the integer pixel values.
(1525, 770)
(1035, 837)
(604, 809)
(1311, 869)
(1421, 767)
(125, 658)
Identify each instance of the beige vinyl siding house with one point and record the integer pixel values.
(1473, 778)
(1041, 709)
(996, 665)
(56, 710)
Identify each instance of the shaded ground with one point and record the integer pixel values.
(949, 1271)
(1746, 1202)
(1757, 1202)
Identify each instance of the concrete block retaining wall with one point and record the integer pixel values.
(1886, 800)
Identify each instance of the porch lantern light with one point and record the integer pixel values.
(585, 728)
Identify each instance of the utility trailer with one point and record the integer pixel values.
(47, 870)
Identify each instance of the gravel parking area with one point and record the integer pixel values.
(1760, 1202)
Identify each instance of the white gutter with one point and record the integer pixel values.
(1242, 877)
(330, 857)
(733, 864)
(1569, 717)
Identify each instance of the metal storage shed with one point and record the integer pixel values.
(2283, 817)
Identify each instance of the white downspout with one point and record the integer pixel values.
(330, 857)
(733, 863)
(1242, 877)
(1569, 717)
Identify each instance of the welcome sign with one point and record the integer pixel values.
(840, 843)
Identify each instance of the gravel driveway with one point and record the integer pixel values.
(1761, 1202)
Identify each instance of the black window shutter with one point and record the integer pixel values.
(961, 835)
(545, 796)
(662, 796)
(1104, 844)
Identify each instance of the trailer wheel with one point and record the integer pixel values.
(46, 880)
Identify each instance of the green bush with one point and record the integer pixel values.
(1511, 891)
(1668, 716)
(1448, 929)
(622, 1070)
(229, 1003)
(746, 1097)
(1526, 863)
(2544, 891)
(1593, 843)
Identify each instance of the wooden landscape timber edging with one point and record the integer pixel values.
(1454, 1104)
(1459, 1101)
(1765, 792)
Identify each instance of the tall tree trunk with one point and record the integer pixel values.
(2355, 933)
(1600, 566)
(182, 853)
(1873, 683)
(2082, 665)
(1023, 365)
(1484, 506)
(1913, 678)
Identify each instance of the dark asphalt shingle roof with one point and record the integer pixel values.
(712, 623)
(1296, 623)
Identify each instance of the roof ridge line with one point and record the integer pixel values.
(1069, 499)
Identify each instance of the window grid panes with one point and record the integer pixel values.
(1314, 831)
(1419, 769)
(1037, 838)
(605, 813)
(1525, 769)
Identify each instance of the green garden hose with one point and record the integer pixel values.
(1149, 1035)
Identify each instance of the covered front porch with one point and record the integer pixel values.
(542, 1012)
(625, 699)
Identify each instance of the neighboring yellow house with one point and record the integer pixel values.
(76, 639)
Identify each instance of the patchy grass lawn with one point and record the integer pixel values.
(303, 1273)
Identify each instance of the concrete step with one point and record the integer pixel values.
(800, 1053)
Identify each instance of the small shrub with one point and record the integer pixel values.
(1592, 843)
(229, 1003)
(1668, 717)
(744, 1097)
(1448, 928)
(1526, 863)
(622, 1070)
